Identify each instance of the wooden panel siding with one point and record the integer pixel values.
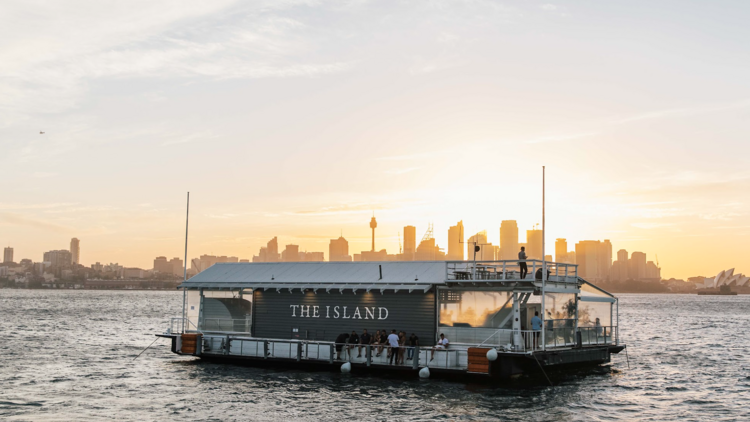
(321, 316)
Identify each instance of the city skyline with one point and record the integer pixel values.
(280, 125)
(593, 257)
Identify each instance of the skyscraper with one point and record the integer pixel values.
(290, 253)
(8, 255)
(272, 250)
(338, 250)
(486, 250)
(587, 258)
(605, 260)
(534, 244)
(429, 251)
(619, 271)
(455, 240)
(410, 242)
(561, 250)
(75, 250)
(162, 266)
(637, 266)
(652, 271)
(58, 259)
(509, 240)
(177, 266)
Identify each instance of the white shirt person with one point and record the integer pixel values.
(442, 344)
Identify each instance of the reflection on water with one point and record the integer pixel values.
(69, 355)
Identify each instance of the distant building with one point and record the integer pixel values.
(290, 254)
(8, 255)
(534, 244)
(268, 253)
(338, 250)
(311, 256)
(205, 261)
(455, 242)
(177, 266)
(162, 266)
(509, 246)
(134, 272)
(587, 258)
(410, 243)
(619, 271)
(637, 266)
(561, 250)
(727, 278)
(429, 251)
(370, 256)
(75, 251)
(486, 250)
(652, 271)
(605, 260)
(58, 259)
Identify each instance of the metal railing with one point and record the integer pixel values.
(509, 270)
(226, 325)
(324, 351)
(176, 324)
(599, 335)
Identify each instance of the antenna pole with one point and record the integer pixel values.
(544, 263)
(184, 270)
(187, 220)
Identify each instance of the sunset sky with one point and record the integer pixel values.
(299, 119)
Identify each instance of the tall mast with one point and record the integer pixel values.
(544, 265)
(184, 270)
(187, 220)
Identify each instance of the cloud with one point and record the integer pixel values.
(402, 171)
(170, 39)
(548, 7)
(682, 112)
(342, 209)
(558, 138)
(19, 220)
(203, 136)
(652, 225)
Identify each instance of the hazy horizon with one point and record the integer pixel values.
(301, 119)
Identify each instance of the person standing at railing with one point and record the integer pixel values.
(536, 327)
(522, 262)
(413, 343)
(393, 342)
(598, 329)
(353, 342)
(340, 341)
(364, 340)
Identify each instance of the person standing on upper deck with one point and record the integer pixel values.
(522, 262)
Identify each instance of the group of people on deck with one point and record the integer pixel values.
(397, 345)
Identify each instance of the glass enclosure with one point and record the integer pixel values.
(560, 318)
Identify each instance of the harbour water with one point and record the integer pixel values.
(68, 355)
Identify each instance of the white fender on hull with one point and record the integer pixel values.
(424, 372)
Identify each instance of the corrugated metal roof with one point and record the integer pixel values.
(319, 274)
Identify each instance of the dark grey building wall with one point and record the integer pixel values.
(321, 316)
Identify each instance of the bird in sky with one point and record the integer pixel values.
(41, 133)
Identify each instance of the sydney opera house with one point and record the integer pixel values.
(727, 278)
